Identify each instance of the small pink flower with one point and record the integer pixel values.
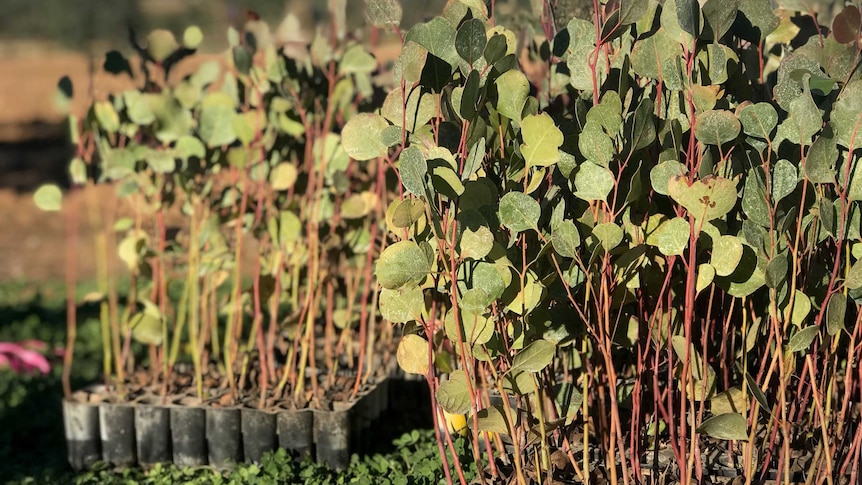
(21, 359)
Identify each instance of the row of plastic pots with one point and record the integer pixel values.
(144, 433)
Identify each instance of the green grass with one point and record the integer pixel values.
(414, 460)
(33, 450)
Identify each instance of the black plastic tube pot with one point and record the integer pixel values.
(384, 397)
(361, 417)
(296, 431)
(332, 438)
(379, 399)
(224, 439)
(188, 435)
(81, 422)
(117, 427)
(259, 433)
(152, 433)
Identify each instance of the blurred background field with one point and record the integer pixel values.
(42, 41)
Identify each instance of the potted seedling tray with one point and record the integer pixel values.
(147, 430)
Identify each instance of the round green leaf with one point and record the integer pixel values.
(408, 212)
(78, 171)
(438, 37)
(784, 180)
(728, 426)
(289, 228)
(446, 182)
(160, 44)
(519, 212)
(758, 120)
(146, 325)
(760, 15)
(718, 17)
(847, 115)
(358, 205)
(419, 109)
(542, 140)
(726, 254)
(475, 330)
(491, 277)
(836, 311)
(801, 308)
(383, 13)
(283, 176)
(362, 136)
(746, 279)
(496, 47)
(805, 119)
(131, 249)
(643, 129)
(413, 168)
(523, 301)
(402, 264)
(453, 394)
(192, 37)
(673, 236)
(802, 339)
(661, 174)
(776, 271)
(593, 182)
(566, 239)
(716, 127)
(534, 357)
(706, 199)
(705, 275)
(512, 91)
(216, 120)
(754, 199)
(357, 60)
(401, 306)
(476, 237)
(246, 126)
(608, 113)
(107, 116)
(161, 161)
(474, 159)
(820, 161)
(410, 62)
(853, 279)
(470, 40)
(48, 197)
(569, 401)
(729, 401)
(474, 301)
(189, 146)
(595, 144)
(658, 58)
(138, 107)
(632, 10)
(491, 420)
(412, 354)
(608, 234)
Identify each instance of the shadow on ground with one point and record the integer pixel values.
(39, 158)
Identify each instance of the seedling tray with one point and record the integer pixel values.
(145, 432)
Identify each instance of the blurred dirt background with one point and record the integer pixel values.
(41, 41)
